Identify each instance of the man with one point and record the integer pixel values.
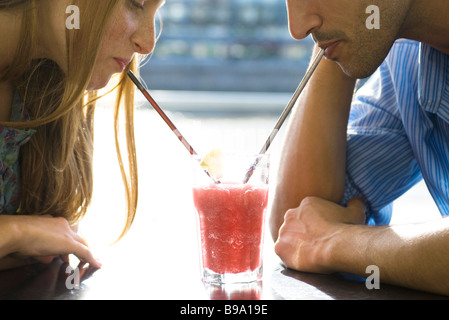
(335, 177)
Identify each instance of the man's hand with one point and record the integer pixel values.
(305, 238)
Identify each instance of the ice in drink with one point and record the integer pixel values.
(231, 223)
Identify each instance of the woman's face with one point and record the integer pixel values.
(130, 30)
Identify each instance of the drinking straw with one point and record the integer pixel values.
(165, 118)
(285, 113)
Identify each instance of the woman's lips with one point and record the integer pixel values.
(122, 63)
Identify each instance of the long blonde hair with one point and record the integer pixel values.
(56, 164)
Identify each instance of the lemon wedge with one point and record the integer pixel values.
(212, 162)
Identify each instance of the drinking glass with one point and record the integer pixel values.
(231, 217)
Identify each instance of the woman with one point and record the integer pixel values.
(49, 75)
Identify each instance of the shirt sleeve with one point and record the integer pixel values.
(380, 162)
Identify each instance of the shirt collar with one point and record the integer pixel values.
(18, 110)
(433, 81)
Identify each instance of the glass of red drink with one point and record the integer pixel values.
(231, 218)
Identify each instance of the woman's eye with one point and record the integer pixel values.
(137, 4)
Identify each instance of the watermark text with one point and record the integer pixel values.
(373, 20)
(73, 20)
(373, 280)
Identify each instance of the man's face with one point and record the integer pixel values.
(340, 27)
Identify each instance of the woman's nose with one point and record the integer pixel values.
(302, 18)
(144, 38)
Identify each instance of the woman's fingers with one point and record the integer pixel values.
(85, 255)
(44, 237)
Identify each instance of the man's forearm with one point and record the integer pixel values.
(413, 256)
(314, 152)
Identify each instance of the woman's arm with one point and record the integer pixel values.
(7, 239)
(11, 263)
(314, 151)
(41, 237)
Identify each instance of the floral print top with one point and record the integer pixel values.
(11, 139)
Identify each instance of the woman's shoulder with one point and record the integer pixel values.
(10, 141)
(15, 137)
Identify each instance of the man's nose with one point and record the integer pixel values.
(302, 18)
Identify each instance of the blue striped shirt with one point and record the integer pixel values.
(398, 131)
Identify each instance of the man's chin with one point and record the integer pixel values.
(357, 72)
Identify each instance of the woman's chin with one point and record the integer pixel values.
(98, 83)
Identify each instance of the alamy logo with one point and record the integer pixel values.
(372, 281)
(373, 20)
(73, 20)
(73, 279)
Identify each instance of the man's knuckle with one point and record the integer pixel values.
(290, 214)
(308, 201)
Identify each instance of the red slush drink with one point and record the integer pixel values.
(231, 221)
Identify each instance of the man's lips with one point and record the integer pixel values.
(329, 49)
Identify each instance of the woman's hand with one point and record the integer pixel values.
(43, 238)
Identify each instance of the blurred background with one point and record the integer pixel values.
(211, 48)
(226, 45)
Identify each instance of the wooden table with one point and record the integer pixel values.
(158, 260)
(129, 280)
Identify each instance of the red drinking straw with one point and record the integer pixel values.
(164, 117)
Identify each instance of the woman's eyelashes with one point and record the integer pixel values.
(138, 5)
